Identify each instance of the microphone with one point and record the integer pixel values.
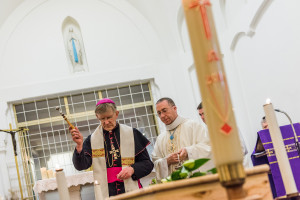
(295, 135)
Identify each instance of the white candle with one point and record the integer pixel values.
(44, 173)
(280, 151)
(50, 173)
(62, 186)
(97, 189)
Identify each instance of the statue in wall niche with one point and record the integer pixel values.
(74, 49)
(74, 46)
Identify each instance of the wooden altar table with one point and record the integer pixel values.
(206, 187)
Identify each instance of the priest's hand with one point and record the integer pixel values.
(173, 159)
(77, 137)
(183, 155)
(125, 173)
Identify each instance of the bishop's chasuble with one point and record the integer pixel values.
(110, 152)
(181, 133)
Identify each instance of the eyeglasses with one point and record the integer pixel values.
(163, 111)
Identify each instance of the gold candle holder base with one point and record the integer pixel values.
(231, 175)
(294, 196)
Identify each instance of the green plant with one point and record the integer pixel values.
(186, 171)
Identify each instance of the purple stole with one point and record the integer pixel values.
(289, 142)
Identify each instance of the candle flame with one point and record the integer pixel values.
(57, 166)
(268, 101)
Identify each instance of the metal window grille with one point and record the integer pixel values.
(48, 141)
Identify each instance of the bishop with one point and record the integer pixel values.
(118, 152)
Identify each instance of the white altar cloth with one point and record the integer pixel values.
(74, 184)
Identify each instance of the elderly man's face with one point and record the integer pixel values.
(108, 119)
(166, 112)
(201, 113)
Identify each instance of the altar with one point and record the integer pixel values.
(207, 187)
(80, 187)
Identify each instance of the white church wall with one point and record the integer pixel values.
(40, 31)
(165, 23)
(121, 46)
(266, 60)
(7, 6)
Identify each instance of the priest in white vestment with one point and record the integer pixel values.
(183, 139)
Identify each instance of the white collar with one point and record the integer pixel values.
(179, 120)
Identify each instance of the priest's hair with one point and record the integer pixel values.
(102, 108)
(263, 120)
(200, 106)
(169, 100)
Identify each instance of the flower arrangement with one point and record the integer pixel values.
(187, 171)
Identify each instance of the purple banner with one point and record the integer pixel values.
(289, 142)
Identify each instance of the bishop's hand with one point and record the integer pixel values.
(125, 173)
(77, 137)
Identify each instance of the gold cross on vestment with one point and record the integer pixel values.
(288, 148)
(269, 152)
(114, 152)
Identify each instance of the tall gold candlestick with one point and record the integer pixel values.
(280, 151)
(226, 146)
(62, 185)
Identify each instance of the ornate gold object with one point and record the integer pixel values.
(114, 152)
(231, 174)
(127, 161)
(65, 118)
(98, 153)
